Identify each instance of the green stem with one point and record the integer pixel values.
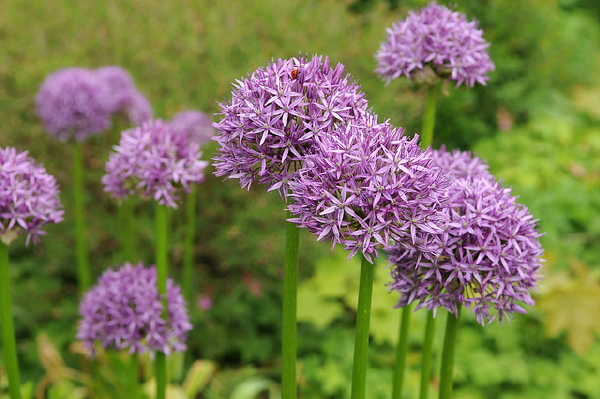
(127, 230)
(135, 392)
(448, 355)
(8, 330)
(161, 285)
(427, 354)
(289, 330)
(429, 117)
(363, 319)
(83, 268)
(401, 352)
(188, 245)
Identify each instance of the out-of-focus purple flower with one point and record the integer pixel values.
(432, 44)
(276, 113)
(365, 185)
(74, 103)
(460, 164)
(487, 255)
(153, 161)
(125, 311)
(196, 125)
(124, 96)
(29, 197)
(204, 301)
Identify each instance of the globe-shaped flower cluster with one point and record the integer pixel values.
(367, 184)
(76, 103)
(124, 96)
(197, 126)
(29, 197)
(276, 113)
(125, 311)
(153, 161)
(487, 256)
(435, 44)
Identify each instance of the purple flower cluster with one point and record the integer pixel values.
(154, 161)
(125, 311)
(78, 103)
(74, 103)
(487, 255)
(29, 197)
(432, 44)
(274, 115)
(124, 96)
(196, 125)
(367, 184)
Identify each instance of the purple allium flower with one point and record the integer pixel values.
(275, 114)
(125, 97)
(154, 161)
(29, 197)
(367, 184)
(125, 311)
(196, 125)
(435, 43)
(487, 256)
(460, 164)
(74, 103)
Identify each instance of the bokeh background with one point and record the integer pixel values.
(537, 123)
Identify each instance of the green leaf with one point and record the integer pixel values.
(198, 376)
(572, 305)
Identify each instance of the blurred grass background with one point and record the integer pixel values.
(536, 123)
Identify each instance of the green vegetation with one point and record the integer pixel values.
(537, 124)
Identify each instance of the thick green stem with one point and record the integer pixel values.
(429, 117)
(83, 268)
(401, 352)
(289, 329)
(127, 230)
(8, 330)
(363, 320)
(427, 355)
(188, 245)
(161, 285)
(448, 355)
(135, 383)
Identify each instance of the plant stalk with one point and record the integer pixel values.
(289, 327)
(448, 355)
(161, 285)
(127, 230)
(401, 353)
(363, 320)
(427, 354)
(9, 346)
(429, 117)
(188, 245)
(83, 268)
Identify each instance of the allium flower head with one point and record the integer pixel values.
(124, 96)
(435, 43)
(74, 103)
(275, 114)
(196, 125)
(29, 197)
(125, 311)
(460, 164)
(367, 184)
(487, 257)
(153, 161)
